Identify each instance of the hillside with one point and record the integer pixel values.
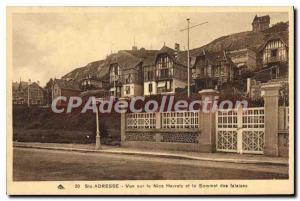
(97, 68)
(242, 40)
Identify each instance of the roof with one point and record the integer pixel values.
(22, 85)
(265, 18)
(142, 53)
(125, 59)
(34, 83)
(67, 85)
(213, 57)
(181, 57)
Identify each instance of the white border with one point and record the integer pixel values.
(5, 3)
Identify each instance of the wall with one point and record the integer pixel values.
(179, 84)
(55, 91)
(135, 90)
(251, 60)
(187, 131)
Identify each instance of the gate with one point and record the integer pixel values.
(240, 131)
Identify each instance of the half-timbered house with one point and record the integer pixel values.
(165, 71)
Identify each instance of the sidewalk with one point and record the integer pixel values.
(217, 157)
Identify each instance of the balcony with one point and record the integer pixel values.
(116, 78)
(164, 74)
(274, 60)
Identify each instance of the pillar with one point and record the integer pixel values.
(158, 121)
(123, 127)
(271, 98)
(207, 121)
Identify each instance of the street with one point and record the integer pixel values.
(48, 165)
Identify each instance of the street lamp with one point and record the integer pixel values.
(98, 140)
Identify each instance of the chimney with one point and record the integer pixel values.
(177, 49)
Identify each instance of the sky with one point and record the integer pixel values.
(50, 44)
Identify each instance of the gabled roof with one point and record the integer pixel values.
(67, 85)
(213, 57)
(181, 57)
(261, 18)
(142, 53)
(166, 49)
(283, 40)
(19, 86)
(125, 60)
(33, 84)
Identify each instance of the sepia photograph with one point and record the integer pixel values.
(150, 100)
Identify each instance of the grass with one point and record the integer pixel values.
(37, 124)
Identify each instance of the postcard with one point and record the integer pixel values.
(150, 100)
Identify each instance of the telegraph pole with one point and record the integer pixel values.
(188, 48)
(188, 54)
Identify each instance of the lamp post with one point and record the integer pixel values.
(98, 140)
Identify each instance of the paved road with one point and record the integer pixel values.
(49, 165)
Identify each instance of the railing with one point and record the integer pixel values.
(164, 74)
(274, 59)
(140, 121)
(185, 119)
(115, 78)
(254, 118)
(182, 119)
(227, 118)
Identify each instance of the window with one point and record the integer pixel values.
(164, 62)
(127, 90)
(274, 53)
(150, 87)
(127, 79)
